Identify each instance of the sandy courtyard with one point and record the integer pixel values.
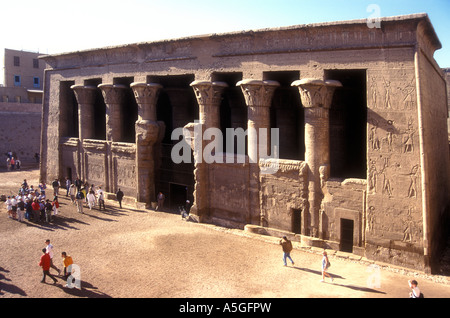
(126, 253)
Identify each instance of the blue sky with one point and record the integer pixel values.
(56, 26)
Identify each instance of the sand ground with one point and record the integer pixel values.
(128, 253)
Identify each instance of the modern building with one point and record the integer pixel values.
(21, 104)
(362, 163)
(23, 77)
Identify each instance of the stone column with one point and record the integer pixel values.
(113, 96)
(316, 96)
(148, 131)
(209, 96)
(85, 96)
(258, 97)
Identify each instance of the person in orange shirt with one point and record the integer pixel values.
(67, 261)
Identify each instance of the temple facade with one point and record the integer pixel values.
(360, 163)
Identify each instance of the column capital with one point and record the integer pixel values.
(113, 93)
(258, 93)
(84, 94)
(208, 93)
(316, 92)
(146, 95)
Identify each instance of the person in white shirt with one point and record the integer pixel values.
(91, 199)
(101, 198)
(9, 206)
(415, 293)
(13, 207)
(49, 249)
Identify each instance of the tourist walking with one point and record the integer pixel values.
(79, 201)
(91, 199)
(42, 186)
(286, 245)
(55, 205)
(56, 185)
(415, 291)
(8, 204)
(101, 198)
(325, 265)
(49, 249)
(36, 208)
(28, 209)
(45, 263)
(160, 199)
(68, 184)
(67, 262)
(78, 183)
(13, 207)
(48, 211)
(20, 209)
(72, 193)
(119, 196)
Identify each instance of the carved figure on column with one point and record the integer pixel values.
(316, 96)
(209, 97)
(86, 96)
(258, 97)
(113, 96)
(148, 132)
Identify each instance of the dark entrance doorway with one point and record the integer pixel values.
(178, 196)
(297, 221)
(347, 235)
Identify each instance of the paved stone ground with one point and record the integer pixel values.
(126, 253)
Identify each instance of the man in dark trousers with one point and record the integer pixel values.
(45, 264)
(119, 196)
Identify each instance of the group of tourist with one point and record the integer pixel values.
(32, 204)
(12, 162)
(287, 247)
(46, 262)
(81, 193)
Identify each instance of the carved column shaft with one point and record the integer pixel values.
(209, 96)
(258, 97)
(316, 96)
(113, 96)
(85, 96)
(147, 134)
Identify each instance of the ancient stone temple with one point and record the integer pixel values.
(361, 162)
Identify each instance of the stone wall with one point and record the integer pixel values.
(283, 192)
(398, 197)
(20, 130)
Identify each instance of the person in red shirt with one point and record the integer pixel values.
(45, 264)
(36, 210)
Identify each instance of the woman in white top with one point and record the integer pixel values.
(91, 199)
